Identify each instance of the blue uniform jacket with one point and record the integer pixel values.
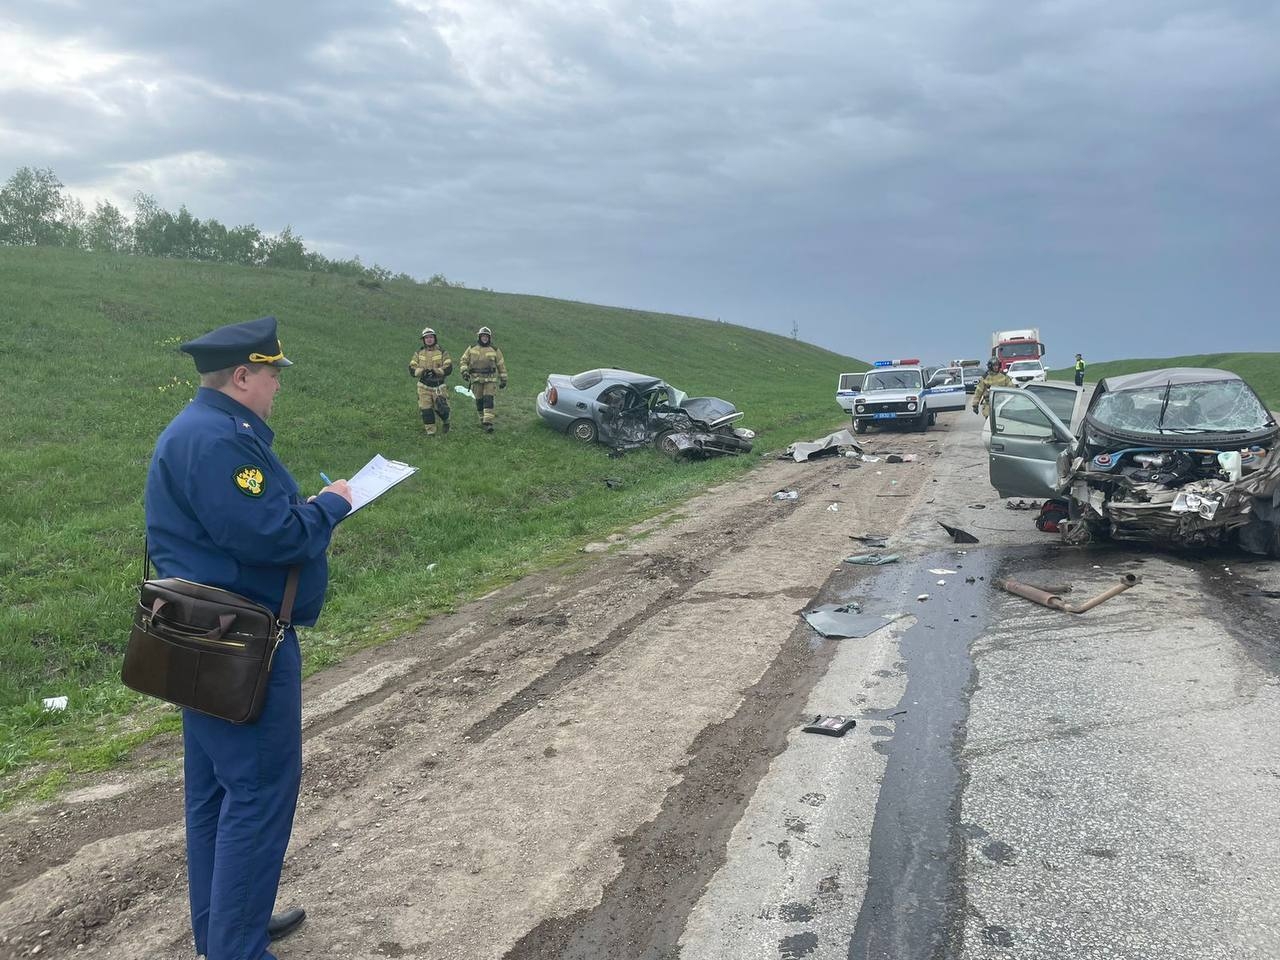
(222, 509)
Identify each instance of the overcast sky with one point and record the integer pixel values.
(894, 177)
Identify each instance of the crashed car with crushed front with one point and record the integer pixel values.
(1183, 456)
(625, 410)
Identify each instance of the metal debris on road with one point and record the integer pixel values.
(958, 535)
(786, 495)
(872, 559)
(842, 621)
(834, 508)
(923, 597)
(830, 725)
(1055, 602)
(941, 571)
(870, 539)
(830, 445)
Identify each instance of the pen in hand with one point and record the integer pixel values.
(325, 477)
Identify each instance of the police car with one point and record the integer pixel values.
(895, 391)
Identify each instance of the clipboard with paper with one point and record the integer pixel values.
(375, 478)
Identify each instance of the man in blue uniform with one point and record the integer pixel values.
(222, 510)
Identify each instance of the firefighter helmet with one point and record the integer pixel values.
(427, 332)
(484, 332)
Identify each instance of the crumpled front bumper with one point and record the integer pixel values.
(1199, 513)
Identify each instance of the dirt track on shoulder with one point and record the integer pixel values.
(552, 771)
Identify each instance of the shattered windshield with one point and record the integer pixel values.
(1221, 406)
(892, 380)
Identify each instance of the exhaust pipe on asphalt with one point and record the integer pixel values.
(1055, 602)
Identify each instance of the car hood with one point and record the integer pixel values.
(1107, 439)
(881, 396)
(709, 410)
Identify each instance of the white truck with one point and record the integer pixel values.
(1008, 346)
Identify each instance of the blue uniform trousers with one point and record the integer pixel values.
(241, 790)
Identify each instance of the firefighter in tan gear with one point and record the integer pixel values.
(482, 367)
(995, 378)
(431, 365)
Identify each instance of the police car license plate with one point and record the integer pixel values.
(886, 416)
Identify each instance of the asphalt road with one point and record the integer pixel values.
(607, 761)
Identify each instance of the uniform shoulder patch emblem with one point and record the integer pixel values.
(250, 480)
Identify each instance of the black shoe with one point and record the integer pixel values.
(282, 924)
(444, 426)
(488, 428)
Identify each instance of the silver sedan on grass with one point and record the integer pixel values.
(622, 410)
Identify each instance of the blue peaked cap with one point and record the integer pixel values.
(253, 341)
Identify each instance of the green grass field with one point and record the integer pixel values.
(91, 375)
(1261, 370)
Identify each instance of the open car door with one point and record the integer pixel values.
(1026, 443)
(946, 389)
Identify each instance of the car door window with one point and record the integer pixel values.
(1060, 400)
(614, 397)
(1018, 416)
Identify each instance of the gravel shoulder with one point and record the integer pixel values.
(488, 786)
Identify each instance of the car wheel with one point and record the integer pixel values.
(921, 422)
(1098, 529)
(584, 431)
(665, 445)
(933, 418)
(859, 426)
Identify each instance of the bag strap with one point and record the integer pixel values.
(285, 619)
(290, 592)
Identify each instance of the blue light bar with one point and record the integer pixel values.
(883, 363)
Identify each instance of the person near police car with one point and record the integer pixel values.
(483, 367)
(221, 509)
(431, 366)
(1079, 370)
(995, 378)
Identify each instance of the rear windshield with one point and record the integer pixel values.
(589, 379)
(1220, 406)
(892, 380)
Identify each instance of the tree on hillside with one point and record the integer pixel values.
(149, 221)
(31, 209)
(286, 251)
(35, 211)
(108, 230)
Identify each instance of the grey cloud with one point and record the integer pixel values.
(922, 166)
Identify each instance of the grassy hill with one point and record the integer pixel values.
(1261, 370)
(91, 375)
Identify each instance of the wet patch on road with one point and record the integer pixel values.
(911, 907)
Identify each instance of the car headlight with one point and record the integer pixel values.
(861, 408)
(911, 406)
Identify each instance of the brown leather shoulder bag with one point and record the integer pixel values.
(202, 647)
